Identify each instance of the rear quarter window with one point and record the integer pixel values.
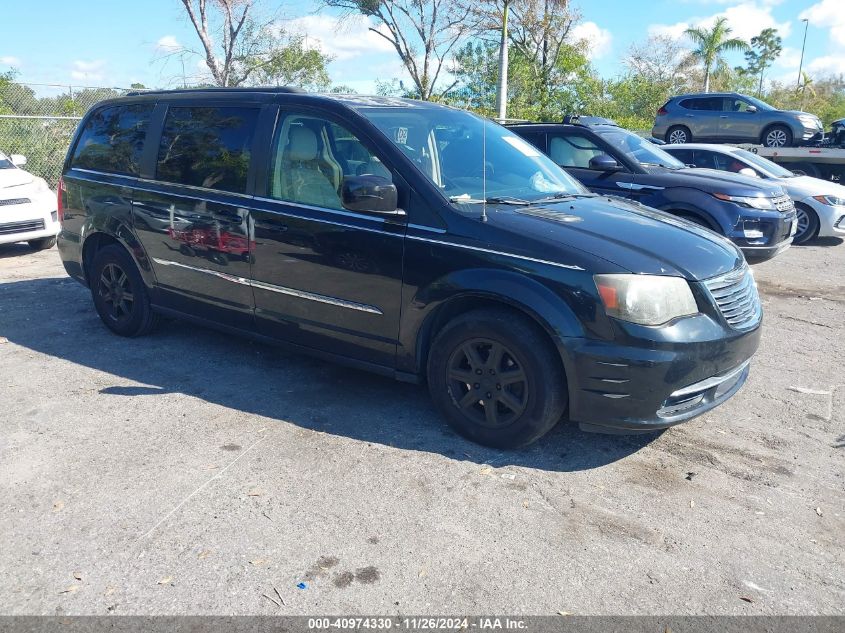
(207, 147)
(112, 139)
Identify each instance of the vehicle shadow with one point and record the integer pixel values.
(55, 316)
(18, 249)
(823, 241)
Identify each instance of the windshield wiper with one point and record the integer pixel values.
(465, 199)
(563, 196)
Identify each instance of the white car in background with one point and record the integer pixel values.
(820, 204)
(28, 210)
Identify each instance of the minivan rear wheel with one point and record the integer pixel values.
(494, 376)
(777, 136)
(678, 134)
(119, 294)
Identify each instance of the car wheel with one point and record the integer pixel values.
(777, 136)
(120, 297)
(678, 134)
(808, 224)
(43, 244)
(496, 379)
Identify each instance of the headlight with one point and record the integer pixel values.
(755, 202)
(834, 201)
(40, 185)
(645, 299)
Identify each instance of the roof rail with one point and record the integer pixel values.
(271, 89)
(586, 120)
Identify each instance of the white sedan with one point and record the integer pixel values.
(820, 204)
(28, 210)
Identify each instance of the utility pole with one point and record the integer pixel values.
(502, 87)
(801, 64)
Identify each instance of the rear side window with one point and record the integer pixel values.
(113, 139)
(207, 147)
(711, 104)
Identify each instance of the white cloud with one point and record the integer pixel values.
(745, 19)
(168, 44)
(789, 58)
(88, 71)
(826, 65)
(10, 60)
(342, 38)
(599, 40)
(828, 14)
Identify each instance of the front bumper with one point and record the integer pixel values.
(831, 218)
(648, 385)
(31, 220)
(777, 230)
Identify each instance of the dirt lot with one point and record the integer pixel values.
(189, 472)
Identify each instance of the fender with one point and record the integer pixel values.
(463, 290)
(685, 207)
(96, 226)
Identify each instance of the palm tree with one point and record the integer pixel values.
(712, 44)
(806, 84)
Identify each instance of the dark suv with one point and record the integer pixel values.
(758, 217)
(411, 239)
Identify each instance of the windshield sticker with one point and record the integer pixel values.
(402, 135)
(523, 146)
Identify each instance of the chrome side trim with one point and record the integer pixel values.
(293, 292)
(637, 187)
(311, 296)
(708, 383)
(492, 252)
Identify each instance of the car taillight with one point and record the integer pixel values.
(60, 199)
(662, 111)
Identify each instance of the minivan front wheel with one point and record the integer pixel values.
(678, 134)
(777, 136)
(119, 294)
(496, 379)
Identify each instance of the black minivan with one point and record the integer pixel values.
(411, 239)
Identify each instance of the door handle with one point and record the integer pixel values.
(271, 226)
(723, 116)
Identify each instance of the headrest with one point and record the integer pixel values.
(302, 144)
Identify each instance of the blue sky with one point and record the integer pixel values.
(115, 43)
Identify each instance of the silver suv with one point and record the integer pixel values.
(727, 117)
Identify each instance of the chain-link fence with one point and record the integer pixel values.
(38, 121)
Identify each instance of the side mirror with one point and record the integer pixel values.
(370, 193)
(603, 162)
(18, 160)
(747, 171)
(751, 109)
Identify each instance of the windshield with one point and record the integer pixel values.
(471, 159)
(764, 164)
(641, 150)
(5, 162)
(761, 105)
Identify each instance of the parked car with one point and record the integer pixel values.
(728, 117)
(27, 206)
(756, 215)
(442, 247)
(820, 204)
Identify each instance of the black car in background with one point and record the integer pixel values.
(758, 217)
(410, 239)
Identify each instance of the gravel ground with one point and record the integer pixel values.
(189, 472)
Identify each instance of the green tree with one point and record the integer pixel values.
(765, 49)
(241, 48)
(424, 33)
(711, 45)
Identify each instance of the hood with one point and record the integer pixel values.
(715, 181)
(634, 237)
(805, 186)
(13, 178)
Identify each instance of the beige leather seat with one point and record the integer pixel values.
(302, 180)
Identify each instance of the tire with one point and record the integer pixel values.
(119, 293)
(42, 244)
(808, 224)
(694, 219)
(777, 136)
(678, 134)
(526, 407)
